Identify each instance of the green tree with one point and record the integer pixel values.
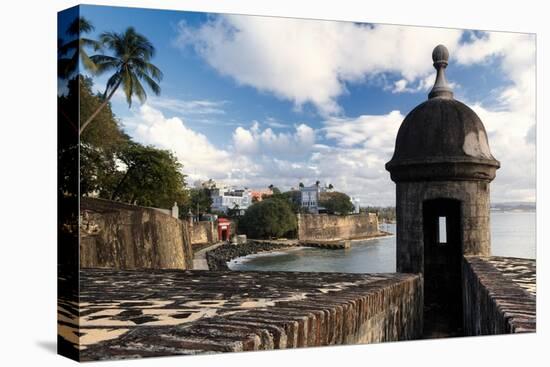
(336, 202)
(200, 201)
(152, 177)
(100, 144)
(293, 198)
(301, 185)
(234, 212)
(132, 53)
(269, 218)
(70, 51)
(106, 132)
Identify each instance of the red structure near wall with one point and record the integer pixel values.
(224, 229)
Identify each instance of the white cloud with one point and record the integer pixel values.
(199, 157)
(258, 141)
(423, 84)
(244, 140)
(511, 124)
(515, 53)
(507, 131)
(310, 61)
(271, 122)
(376, 132)
(189, 107)
(356, 164)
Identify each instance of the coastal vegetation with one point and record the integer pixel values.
(270, 218)
(112, 165)
(199, 201)
(129, 59)
(336, 203)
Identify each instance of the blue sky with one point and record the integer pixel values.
(258, 100)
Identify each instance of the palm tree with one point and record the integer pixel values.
(70, 51)
(130, 62)
(301, 185)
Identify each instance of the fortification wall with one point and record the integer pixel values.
(327, 227)
(120, 236)
(499, 295)
(203, 232)
(232, 311)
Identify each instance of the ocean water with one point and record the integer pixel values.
(512, 234)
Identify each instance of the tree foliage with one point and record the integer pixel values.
(293, 199)
(107, 162)
(114, 167)
(200, 201)
(72, 49)
(336, 203)
(130, 63)
(152, 177)
(269, 218)
(101, 144)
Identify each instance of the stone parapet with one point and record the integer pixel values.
(196, 312)
(499, 295)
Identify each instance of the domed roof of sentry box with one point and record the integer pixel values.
(444, 134)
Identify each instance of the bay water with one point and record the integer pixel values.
(512, 234)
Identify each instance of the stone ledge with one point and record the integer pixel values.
(130, 314)
(501, 294)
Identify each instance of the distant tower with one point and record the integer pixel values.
(442, 167)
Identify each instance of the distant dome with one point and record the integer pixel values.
(444, 132)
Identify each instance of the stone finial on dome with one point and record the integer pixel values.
(441, 88)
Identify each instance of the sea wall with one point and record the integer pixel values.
(312, 227)
(499, 295)
(121, 236)
(203, 232)
(198, 312)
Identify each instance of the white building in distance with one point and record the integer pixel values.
(356, 205)
(225, 198)
(309, 198)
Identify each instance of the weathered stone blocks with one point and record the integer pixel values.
(499, 295)
(121, 236)
(324, 227)
(129, 314)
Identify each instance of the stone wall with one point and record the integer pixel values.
(475, 219)
(200, 312)
(203, 232)
(120, 236)
(325, 227)
(499, 295)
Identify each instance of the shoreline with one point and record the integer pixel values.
(218, 258)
